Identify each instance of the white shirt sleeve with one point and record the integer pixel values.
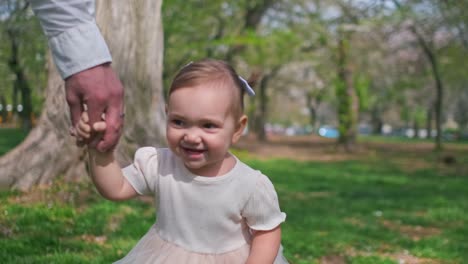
(142, 174)
(262, 211)
(74, 38)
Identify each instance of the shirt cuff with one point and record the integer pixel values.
(79, 48)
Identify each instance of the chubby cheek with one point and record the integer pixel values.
(219, 144)
(172, 138)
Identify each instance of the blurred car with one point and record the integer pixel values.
(296, 131)
(328, 132)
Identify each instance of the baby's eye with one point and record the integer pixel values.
(209, 126)
(177, 122)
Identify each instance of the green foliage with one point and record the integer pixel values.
(346, 117)
(362, 84)
(18, 26)
(405, 113)
(419, 116)
(272, 49)
(194, 30)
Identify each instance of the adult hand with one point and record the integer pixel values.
(102, 92)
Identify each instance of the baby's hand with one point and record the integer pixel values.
(83, 129)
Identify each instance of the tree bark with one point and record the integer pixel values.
(262, 113)
(312, 110)
(429, 121)
(348, 102)
(3, 113)
(133, 31)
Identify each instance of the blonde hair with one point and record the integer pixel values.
(208, 71)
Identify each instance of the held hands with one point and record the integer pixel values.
(100, 89)
(105, 170)
(83, 129)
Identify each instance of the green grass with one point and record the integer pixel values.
(370, 210)
(10, 137)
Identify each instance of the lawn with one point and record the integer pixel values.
(10, 137)
(377, 207)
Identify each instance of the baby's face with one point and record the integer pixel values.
(201, 127)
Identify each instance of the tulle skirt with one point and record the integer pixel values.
(151, 249)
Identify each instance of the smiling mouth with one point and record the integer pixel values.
(193, 152)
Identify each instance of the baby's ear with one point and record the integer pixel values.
(240, 127)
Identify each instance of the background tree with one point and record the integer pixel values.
(222, 30)
(425, 35)
(21, 61)
(133, 31)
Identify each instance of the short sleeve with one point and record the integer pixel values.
(142, 174)
(262, 211)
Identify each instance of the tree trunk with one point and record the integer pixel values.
(3, 112)
(133, 31)
(312, 111)
(376, 121)
(429, 52)
(262, 114)
(348, 104)
(431, 56)
(429, 121)
(416, 129)
(21, 84)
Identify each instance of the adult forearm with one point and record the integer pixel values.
(265, 246)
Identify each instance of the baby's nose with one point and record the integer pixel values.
(192, 136)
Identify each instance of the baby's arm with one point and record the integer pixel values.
(265, 246)
(108, 178)
(105, 171)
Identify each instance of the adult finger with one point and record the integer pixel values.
(75, 105)
(96, 107)
(99, 126)
(115, 108)
(114, 123)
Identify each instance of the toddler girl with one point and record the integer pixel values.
(211, 207)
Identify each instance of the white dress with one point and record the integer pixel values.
(200, 219)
